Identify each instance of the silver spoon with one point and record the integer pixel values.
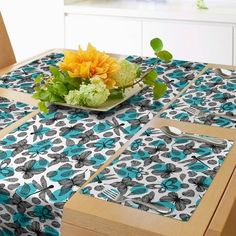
(227, 74)
(173, 132)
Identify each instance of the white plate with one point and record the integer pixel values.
(109, 104)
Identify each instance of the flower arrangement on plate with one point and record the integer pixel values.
(91, 79)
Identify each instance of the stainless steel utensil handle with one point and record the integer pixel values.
(212, 140)
(158, 208)
(224, 116)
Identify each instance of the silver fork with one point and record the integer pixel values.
(198, 113)
(118, 197)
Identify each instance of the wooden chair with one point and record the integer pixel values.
(7, 56)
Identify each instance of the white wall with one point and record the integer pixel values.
(33, 25)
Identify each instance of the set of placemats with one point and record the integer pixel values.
(46, 159)
(210, 93)
(12, 111)
(157, 169)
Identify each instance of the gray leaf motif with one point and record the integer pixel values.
(19, 160)
(189, 193)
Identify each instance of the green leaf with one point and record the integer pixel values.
(116, 94)
(159, 90)
(38, 79)
(44, 95)
(35, 95)
(138, 72)
(156, 44)
(55, 72)
(56, 98)
(73, 82)
(42, 107)
(150, 77)
(164, 55)
(59, 89)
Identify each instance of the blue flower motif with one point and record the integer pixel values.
(176, 155)
(43, 213)
(4, 195)
(228, 106)
(22, 219)
(176, 74)
(74, 150)
(41, 146)
(51, 231)
(5, 115)
(171, 184)
(105, 143)
(140, 155)
(101, 127)
(25, 190)
(128, 115)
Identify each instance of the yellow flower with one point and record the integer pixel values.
(89, 63)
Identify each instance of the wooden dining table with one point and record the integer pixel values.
(89, 216)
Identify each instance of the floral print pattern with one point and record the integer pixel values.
(210, 93)
(44, 161)
(156, 169)
(11, 111)
(22, 79)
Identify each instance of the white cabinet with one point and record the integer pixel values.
(191, 41)
(234, 46)
(110, 34)
(34, 25)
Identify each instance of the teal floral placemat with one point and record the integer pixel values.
(209, 94)
(45, 160)
(160, 170)
(11, 111)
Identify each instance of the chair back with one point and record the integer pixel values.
(7, 56)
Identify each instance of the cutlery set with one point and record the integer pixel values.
(174, 132)
(171, 132)
(199, 113)
(118, 197)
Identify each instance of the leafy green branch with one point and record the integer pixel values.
(54, 88)
(150, 78)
